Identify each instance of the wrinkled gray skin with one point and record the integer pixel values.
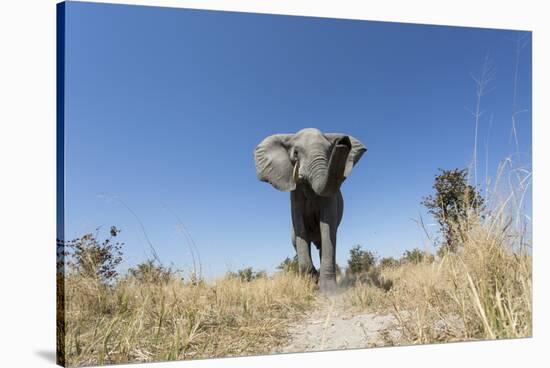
(311, 165)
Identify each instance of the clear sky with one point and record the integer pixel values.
(164, 108)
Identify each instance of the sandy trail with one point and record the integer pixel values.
(332, 326)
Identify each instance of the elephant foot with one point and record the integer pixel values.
(328, 286)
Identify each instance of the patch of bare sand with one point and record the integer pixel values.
(333, 326)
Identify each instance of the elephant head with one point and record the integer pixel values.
(323, 160)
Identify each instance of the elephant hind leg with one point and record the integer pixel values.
(303, 249)
(293, 238)
(319, 248)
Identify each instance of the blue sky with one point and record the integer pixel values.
(165, 106)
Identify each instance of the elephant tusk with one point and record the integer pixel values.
(296, 172)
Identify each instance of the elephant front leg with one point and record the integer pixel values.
(300, 239)
(327, 277)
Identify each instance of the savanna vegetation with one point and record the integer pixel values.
(477, 284)
(153, 313)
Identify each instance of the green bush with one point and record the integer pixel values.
(388, 262)
(455, 206)
(360, 260)
(362, 268)
(148, 271)
(416, 256)
(247, 274)
(289, 265)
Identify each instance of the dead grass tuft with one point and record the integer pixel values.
(137, 321)
(481, 292)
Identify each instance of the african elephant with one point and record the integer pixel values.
(311, 165)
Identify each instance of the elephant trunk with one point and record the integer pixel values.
(334, 175)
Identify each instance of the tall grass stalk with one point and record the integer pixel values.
(482, 83)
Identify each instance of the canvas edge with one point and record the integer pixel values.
(60, 183)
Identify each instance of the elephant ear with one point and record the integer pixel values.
(357, 150)
(273, 163)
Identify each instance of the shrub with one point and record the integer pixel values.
(247, 274)
(360, 260)
(388, 262)
(416, 256)
(289, 265)
(148, 271)
(455, 206)
(91, 258)
(362, 269)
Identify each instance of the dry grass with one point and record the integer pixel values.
(481, 292)
(135, 321)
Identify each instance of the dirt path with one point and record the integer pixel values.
(333, 326)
